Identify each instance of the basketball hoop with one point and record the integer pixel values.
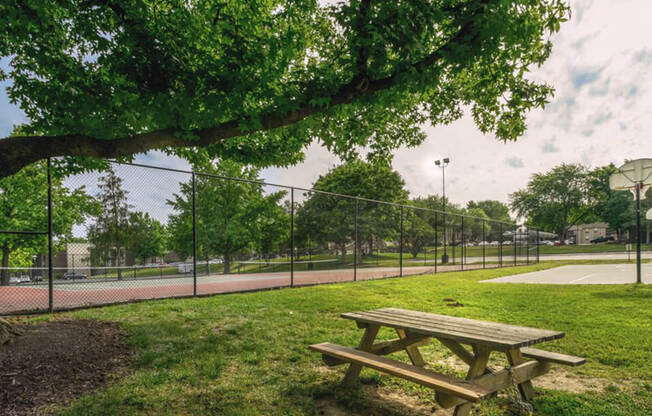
(633, 173)
(636, 176)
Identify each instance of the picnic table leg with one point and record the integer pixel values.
(515, 357)
(476, 369)
(365, 345)
(412, 350)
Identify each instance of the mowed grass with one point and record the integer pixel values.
(246, 354)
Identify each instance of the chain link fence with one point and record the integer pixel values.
(138, 232)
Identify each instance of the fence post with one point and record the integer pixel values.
(292, 237)
(194, 237)
(514, 242)
(538, 243)
(527, 246)
(355, 241)
(484, 257)
(50, 231)
(463, 248)
(500, 244)
(436, 242)
(400, 256)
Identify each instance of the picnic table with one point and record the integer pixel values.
(415, 329)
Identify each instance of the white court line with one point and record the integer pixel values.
(582, 278)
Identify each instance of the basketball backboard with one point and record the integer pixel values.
(631, 173)
(648, 216)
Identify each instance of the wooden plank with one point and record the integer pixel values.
(475, 322)
(460, 388)
(365, 345)
(500, 380)
(459, 350)
(500, 331)
(477, 367)
(489, 328)
(390, 347)
(412, 351)
(385, 348)
(552, 357)
(525, 388)
(464, 337)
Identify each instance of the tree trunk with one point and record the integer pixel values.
(343, 251)
(7, 332)
(4, 275)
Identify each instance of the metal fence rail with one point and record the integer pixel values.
(227, 235)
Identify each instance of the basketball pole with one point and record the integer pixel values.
(638, 232)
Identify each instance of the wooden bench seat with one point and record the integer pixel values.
(439, 382)
(552, 357)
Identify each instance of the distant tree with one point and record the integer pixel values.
(476, 224)
(418, 230)
(556, 200)
(495, 210)
(23, 207)
(233, 216)
(324, 218)
(147, 237)
(110, 233)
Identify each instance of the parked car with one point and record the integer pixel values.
(24, 278)
(547, 243)
(37, 278)
(507, 242)
(601, 240)
(483, 243)
(73, 276)
(494, 244)
(14, 279)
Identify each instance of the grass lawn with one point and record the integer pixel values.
(246, 354)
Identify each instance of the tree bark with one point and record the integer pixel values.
(18, 152)
(4, 274)
(7, 332)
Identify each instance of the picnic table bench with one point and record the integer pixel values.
(415, 329)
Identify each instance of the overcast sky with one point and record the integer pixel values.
(601, 113)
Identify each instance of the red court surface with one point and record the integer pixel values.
(32, 298)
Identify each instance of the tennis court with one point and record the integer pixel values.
(582, 274)
(93, 291)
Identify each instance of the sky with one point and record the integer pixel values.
(601, 113)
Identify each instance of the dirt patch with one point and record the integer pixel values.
(54, 362)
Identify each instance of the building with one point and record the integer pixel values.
(75, 258)
(584, 233)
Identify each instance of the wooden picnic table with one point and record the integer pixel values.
(415, 329)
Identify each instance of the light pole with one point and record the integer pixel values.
(442, 164)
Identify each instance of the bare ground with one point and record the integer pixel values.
(54, 362)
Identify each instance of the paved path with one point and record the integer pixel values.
(589, 274)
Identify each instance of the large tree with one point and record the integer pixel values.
(258, 80)
(110, 234)
(147, 237)
(23, 207)
(233, 216)
(493, 209)
(325, 218)
(556, 200)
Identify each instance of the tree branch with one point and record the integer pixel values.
(18, 152)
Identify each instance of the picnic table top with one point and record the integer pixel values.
(464, 330)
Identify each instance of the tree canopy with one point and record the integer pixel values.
(325, 218)
(233, 217)
(257, 81)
